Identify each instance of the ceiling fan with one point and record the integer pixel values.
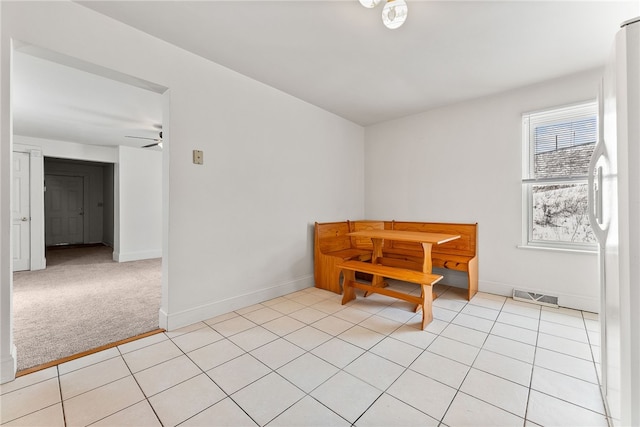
(157, 141)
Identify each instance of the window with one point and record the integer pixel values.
(557, 149)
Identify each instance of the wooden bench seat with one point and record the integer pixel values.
(346, 254)
(425, 280)
(332, 245)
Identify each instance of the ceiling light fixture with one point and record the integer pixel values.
(394, 12)
(370, 4)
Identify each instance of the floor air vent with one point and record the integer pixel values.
(532, 297)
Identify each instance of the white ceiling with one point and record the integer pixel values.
(339, 56)
(65, 103)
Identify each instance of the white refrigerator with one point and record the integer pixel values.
(614, 199)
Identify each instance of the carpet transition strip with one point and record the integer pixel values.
(85, 353)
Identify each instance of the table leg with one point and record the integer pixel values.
(377, 281)
(427, 267)
(427, 312)
(427, 263)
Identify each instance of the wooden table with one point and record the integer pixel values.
(427, 240)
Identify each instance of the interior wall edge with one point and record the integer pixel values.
(9, 366)
(8, 358)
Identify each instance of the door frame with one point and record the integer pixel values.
(36, 204)
(8, 351)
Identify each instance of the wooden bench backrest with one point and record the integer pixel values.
(364, 242)
(332, 236)
(465, 245)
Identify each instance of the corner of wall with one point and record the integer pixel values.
(136, 256)
(163, 319)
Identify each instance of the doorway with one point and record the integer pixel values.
(79, 208)
(79, 202)
(64, 210)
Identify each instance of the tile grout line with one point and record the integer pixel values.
(446, 411)
(64, 413)
(533, 364)
(602, 394)
(146, 398)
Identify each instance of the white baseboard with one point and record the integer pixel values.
(579, 302)
(9, 366)
(576, 302)
(163, 321)
(172, 321)
(495, 288)
(136, 256)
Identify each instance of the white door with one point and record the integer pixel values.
(64, 209)
(21, 221)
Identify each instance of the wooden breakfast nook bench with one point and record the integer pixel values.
(370, 240)
(425, 280)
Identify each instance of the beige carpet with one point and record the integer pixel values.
(81, 301)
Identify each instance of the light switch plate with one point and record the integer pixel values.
(197, 157)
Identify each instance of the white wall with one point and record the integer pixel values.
(238, 228)
(462, 163)
(138, 204)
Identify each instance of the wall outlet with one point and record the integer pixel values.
(197, 157)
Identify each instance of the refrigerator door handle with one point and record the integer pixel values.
(595, 178)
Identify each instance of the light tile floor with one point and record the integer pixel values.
(306, 360)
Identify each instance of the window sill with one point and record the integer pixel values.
(593, 251)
